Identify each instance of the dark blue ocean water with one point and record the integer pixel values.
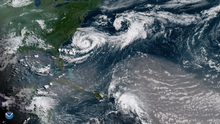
(179, 46)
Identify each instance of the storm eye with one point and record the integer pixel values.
(121, 24)
(125, 25)
(85, 44)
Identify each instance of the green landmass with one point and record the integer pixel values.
(63, 22)
(50, 112)
(33, 91)
(75, 98)
(95, 95)
(35, 87)
(71, 84)
(33, 116)
(98, 95)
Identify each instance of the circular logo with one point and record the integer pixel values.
(9, 115)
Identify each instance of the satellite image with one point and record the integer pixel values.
(110, 61)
